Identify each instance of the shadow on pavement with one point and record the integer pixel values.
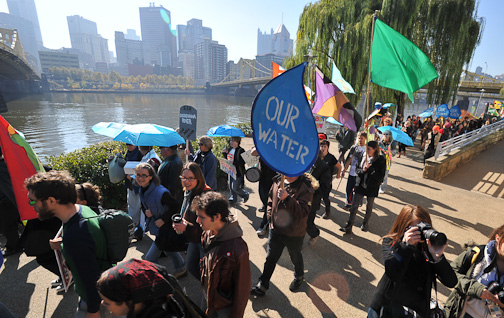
(16, 291)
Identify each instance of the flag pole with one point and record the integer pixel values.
(366, 101)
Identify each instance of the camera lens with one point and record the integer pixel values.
(176, 218)
(494, 287)
(436, 238)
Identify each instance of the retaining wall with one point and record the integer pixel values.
(438, 169)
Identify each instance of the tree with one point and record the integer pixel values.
(501, 92)
(448, 31)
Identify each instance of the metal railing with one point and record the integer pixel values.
(447, 146)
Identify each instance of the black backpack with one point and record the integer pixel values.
(180, 303)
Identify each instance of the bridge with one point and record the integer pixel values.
(249, 73)
(16, 75)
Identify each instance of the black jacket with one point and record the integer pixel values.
(238, 161)
(408, 278)
(169, 173)
(368, 182)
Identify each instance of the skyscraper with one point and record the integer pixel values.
(85, 38)
(192, 33)
(129, 52)
(26, 9)
(155, 23)
(277, 43)
(210, 60)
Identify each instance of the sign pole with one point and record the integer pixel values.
(366, 101)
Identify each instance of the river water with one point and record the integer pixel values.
(54, 123)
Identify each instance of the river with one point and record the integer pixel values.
(54, 123)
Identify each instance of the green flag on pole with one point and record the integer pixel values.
(397, 63)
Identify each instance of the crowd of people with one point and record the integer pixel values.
(192, 224)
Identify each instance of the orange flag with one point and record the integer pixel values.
(277, 70)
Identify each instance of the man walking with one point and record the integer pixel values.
(169, 172)
(288, 210)
(84, 249)
(225, 272)
(354, 158)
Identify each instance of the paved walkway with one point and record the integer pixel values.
(341, 271)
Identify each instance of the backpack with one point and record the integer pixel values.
(116, 169)
(118, 229)
(471, 257)
(180, 302)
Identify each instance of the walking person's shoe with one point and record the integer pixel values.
(347, 207)
(326, 215)
(57, 282)
(259, 290)
(364, 227)
(139, 233)
(296, 283)
(313, 240)
(262, 209)
(347, 229)
(182, 273)
(261, 231)
(245, 199)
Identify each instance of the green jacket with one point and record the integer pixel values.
(466, 286)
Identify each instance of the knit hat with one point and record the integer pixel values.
(447, 125)
(137, 281)
(322, 136)
(436, 128)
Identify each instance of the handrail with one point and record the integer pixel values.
(445, 147)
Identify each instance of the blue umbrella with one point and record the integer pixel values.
(398, 135)
(225, 131)
(333, 121)
(149, 135)
(388, 105)
(108, 129)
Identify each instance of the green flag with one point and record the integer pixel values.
(397, 63)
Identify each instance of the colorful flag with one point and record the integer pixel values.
(397, 63)
(22, 162)
(277, 70)
(497, 104)
(331, 102)
(337, 79)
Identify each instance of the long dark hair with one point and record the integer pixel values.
(408, 213)
(373, 144)
(196, 170)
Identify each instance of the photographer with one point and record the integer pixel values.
(477, 268)
(413, 258)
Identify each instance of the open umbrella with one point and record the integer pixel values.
(225, 131)
(108, 129)
(149, 135)
(442, 110)
(333, 121)
(426, 113)
(398, 135)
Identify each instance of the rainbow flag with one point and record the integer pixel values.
(331, 102)
(22, 163)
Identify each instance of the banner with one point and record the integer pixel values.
(283, 127)
(63, 268)
(249, 159)
(187, 122)
(442, 110)
(320, 123)
(455, 112)
(228, 167)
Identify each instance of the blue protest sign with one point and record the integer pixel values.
(284, 131)
(455, 112)
(442, 110)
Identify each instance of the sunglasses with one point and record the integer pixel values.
(33, 202)
(190, 179)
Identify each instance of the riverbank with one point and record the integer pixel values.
(198, 91)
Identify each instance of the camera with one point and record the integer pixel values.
(436, 238)
(496, 289)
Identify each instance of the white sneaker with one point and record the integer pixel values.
(261, 231)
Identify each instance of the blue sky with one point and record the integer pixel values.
(233, 23)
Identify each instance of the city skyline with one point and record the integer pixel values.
(232, 25)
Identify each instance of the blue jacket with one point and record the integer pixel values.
(151, 200)
(208, 164)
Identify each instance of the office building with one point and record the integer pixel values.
(277, 43)
(129, 52)
(27, 10)
(186, 62)
(266, 60)
(85, 38)
(158, 36)
(131, 35)
(210, 60)
(58, 58)
(192, 33)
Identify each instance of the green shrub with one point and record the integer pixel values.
(245, 127)
(89, 164)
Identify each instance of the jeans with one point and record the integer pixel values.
(134, 208)
(236, 189)
(383, 186)
(311, 228)
(276, 244)
(355, 206)
(177, 259)
(350, 187)
(194, 255)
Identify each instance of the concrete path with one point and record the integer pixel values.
(341, 271)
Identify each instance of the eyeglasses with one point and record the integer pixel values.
(190, 179)
(201, 144)
(142, 175)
